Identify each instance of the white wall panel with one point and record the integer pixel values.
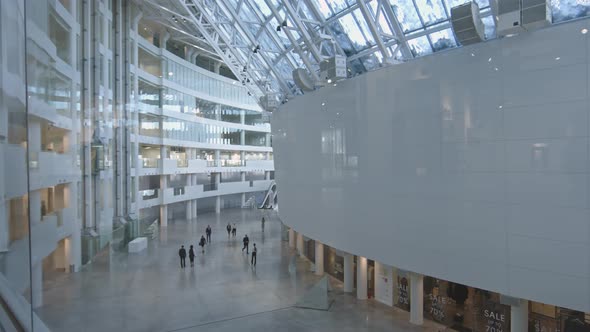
(470, 165)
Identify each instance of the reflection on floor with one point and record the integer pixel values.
(149, 291)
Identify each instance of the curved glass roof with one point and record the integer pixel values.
(263, 41)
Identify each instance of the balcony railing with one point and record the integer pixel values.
(210, 187)
(150, 162)
(149, 194)
(178, 191)
(226, 163)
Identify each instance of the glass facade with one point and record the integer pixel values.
(84, 165)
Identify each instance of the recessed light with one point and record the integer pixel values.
(584, 31)
(557, 58)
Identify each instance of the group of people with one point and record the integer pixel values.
(191, 250)
(231, 231)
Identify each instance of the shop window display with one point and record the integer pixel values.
(548, 318)
(464, 308)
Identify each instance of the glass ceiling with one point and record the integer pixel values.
(273, 37)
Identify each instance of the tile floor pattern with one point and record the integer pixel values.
(149, 292)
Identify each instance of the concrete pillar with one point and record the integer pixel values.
(35, 206)
(291, 238)
(267, 175)
(348, 273)
(319, 258)
(243, 199)
(34, 132)
(76, 249)
(519, 316)
(163, 215)
(299, 244)
(37, 285)
(417, 299)
(361, 278)
(242, 137)
(218, 204)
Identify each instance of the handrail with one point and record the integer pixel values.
(18, 308)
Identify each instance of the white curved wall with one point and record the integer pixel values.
(469, 165)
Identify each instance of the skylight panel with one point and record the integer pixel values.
(342, 39)
(432, 11)
(406, 15)
(261, 4)
(362, 24)
(382, 22)
(442, 40)
(454, 3)
(337, 5)
(353, 31)
(565, 10)
(323, 8)
(420, 46)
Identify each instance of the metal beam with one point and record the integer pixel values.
(230, 58)
(303, 31)
(397, 30)
(373, 29)
(294, 42)
(248, 35)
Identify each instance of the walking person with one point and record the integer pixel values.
(234, 230)
(202, 244)
(182, 254)
(191, 255)
(246, 241)
(228, 228)
(253, 259)
(208, 232)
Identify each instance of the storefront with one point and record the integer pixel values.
(464, 308)
(333, 263)
(401, 295)
(548, 318)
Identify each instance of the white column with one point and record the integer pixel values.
(217, 182)
(218, 204)
(348, 273)
(319, 258)
(361, 278)
(189, 210)
(300, 244)
(519, 316)
(4, 209)
(194, 209)
(164, 215)
(417, 299)
(37, 285)
(291, 238)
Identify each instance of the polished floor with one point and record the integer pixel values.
(222, 292)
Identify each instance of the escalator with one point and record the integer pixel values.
(270, 198)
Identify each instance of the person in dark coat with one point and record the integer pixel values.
(191, 256)
(202, 243)
(208, 232)
(182, 254)
(246, 241)
(228, 227)
(254, 252)
(234, 230)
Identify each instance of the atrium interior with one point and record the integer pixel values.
(295, 165)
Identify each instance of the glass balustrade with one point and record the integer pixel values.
(149, 194)
(150, 162)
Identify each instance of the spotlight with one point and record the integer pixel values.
(284, 24)
(278, 28)
(256, 49)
